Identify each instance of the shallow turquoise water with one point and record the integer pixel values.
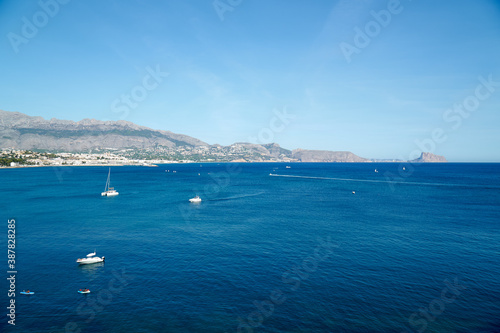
(261, 253)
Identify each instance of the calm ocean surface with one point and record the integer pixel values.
(261, 253)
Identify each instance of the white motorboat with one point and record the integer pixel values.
(195, 199)
(90, 259)
(109, 191)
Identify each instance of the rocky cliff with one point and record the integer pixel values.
(429, 158)
(20, 131)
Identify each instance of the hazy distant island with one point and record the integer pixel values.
(27, 140)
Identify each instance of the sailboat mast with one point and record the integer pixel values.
(107, 181)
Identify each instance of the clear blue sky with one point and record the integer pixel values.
(375, 96)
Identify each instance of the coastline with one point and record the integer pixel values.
(157, 163)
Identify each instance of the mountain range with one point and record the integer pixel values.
(20, 131)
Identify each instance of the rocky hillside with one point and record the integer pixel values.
(428, 158)
(23, 132)
(326, 156)
(20, 131)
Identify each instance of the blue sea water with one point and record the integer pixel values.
(414, 250)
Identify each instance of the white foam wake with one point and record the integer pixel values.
(386, 181)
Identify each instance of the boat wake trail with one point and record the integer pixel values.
(386, 181)
(238, 196)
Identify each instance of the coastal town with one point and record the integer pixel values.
(147, 157)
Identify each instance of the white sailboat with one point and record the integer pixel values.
(109, 191)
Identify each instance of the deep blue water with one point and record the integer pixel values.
(261, 253)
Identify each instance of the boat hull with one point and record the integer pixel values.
(87, 261)
(195, 199)
(109, 194)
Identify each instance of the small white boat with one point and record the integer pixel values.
(84, 291)
(195, 199)
(90, 259)
(376, 170)
(109, 191)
